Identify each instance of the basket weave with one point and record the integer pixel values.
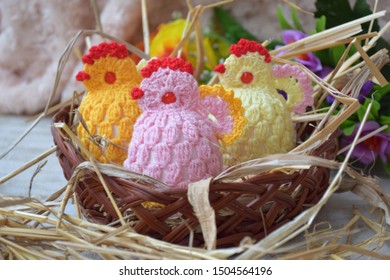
(241, 208)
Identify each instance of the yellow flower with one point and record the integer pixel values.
(166, 39)
(169, 35)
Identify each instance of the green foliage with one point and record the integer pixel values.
(385, 120)
(382, 94)
(295, 19)
(272, 45)
(348, 126)
(338, 12)
(230, 28)
(376, 114)
(373, 115)
(283, 22)
(336, 53)
(320, 24)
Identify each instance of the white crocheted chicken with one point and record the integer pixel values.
(269, 95)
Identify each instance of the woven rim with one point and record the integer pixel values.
(252, 207)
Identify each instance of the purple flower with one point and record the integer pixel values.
(324, 72)
(364, 91)
(368, 150)
(308, 59)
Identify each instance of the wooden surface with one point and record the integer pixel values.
(337, 212)
(38, 141)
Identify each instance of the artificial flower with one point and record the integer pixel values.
(368, 150)
(324, 72)
(364, 91)
(166, 39)
(168, 36)
(308, 59)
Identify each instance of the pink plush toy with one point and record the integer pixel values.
(174, 140)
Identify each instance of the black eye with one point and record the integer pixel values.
(282, 93)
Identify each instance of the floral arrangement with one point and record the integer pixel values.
(374, 146)
(224, 30)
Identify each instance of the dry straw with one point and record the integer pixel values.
(32, 229)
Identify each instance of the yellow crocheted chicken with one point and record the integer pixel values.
(269, 95)
(108, 109)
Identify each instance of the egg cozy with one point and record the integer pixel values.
(174, 139)
(268, 94)
(246, 202)
(107, 110)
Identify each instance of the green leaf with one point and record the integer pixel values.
(320, 24)
(295, 19)
(325, 57)
(361, 9)
(348, 130)
(338, 12)
(379, 91)
(273, 44)
(374, 110)
(284, 24)
(348, 126)
(373, 115)
(382, 95)
(385, 120)
(229, 27)
(336, 53)
(352, 51)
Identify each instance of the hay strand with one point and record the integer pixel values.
(31, 229)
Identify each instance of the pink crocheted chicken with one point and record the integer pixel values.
(174, 140)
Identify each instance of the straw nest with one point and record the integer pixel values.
(247, 212)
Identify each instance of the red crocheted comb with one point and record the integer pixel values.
(244, 46)
(167, 62)
(104, 49)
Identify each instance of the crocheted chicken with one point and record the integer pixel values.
(107, 109)
(174, 139)
(269, 95)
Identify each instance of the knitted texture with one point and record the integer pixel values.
(226, 110)
(292, 80)
(174, 139)
(244, 47)
(108, 109)
(269, 129)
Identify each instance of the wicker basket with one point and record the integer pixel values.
(252, 207)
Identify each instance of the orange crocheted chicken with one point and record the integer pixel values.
(108, 109)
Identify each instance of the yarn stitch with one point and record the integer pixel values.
(249, 73)
(108, 110)
(298, 85)
(222, 105)
(175, 141)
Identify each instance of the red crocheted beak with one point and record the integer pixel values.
(82, 76)
(137, 93)
(220, 68)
